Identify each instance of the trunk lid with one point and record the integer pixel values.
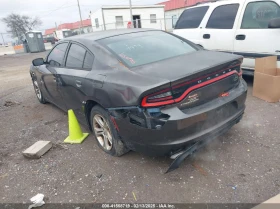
(188, 66)
(195, 78)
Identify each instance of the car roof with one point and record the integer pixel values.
(105, 34)
(214, 3)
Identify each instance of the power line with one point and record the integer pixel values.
(63, 6)
(2, 38)
(118, 2)
(58, 8)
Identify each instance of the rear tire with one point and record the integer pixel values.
(105, 132)
(38, 91)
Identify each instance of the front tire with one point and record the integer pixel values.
(38, 91)
(105, 132)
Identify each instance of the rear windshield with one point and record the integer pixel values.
(141, 48)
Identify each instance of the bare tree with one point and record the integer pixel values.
(18, 25)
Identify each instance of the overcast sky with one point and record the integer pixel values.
(59, 11)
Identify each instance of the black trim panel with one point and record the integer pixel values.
(246, 71)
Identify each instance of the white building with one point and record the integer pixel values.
(116, 17)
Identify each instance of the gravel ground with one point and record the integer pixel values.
(241, 166)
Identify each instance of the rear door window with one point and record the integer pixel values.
(76, 55)
(88, 62)
(55, 58)
(258, 14)
(191, 18)
(223, 17)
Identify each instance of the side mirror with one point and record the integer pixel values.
(274, 23)
(38, 62)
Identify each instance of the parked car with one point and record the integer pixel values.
(250, 28)
(5, 45)
(52, 40)
(143, 90)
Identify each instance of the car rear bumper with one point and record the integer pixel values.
(185, 127)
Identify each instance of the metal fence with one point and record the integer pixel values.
(5, 38)
(166, 24)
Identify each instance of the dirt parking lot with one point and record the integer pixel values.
(241, 166)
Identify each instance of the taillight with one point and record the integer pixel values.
(160, 98)
(178, 92)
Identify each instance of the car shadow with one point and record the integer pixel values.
(206, 154)
(249, 80)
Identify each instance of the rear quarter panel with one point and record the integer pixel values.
(111, 84)
(119, 87)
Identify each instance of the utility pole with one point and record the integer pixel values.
(3, 39)
(81, 22)
(131, 17)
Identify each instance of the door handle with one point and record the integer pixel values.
(240, 37)
(54, 80)
(78, 83)
(206, 36)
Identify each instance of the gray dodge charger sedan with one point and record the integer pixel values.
(144, 90)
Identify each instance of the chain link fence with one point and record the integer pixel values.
(166, 24)
(5, 39)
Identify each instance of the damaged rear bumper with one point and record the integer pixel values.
(202, 142)
(167, 131)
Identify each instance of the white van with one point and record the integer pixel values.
(250, 28)
(61, 34)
